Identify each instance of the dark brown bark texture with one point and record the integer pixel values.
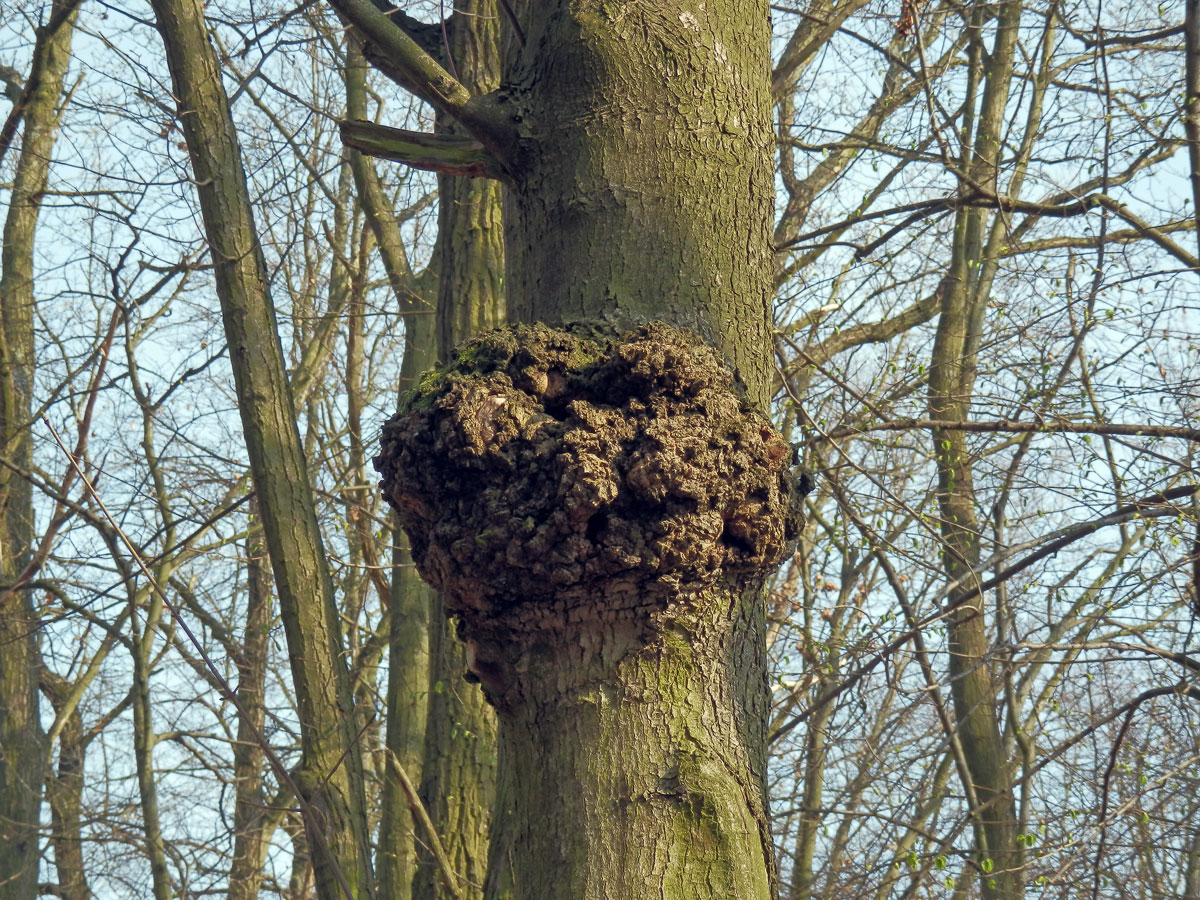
(542, 466)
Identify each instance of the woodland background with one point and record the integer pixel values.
(1080, 339)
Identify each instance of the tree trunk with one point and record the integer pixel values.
(64, 794)
(144, 737)
(964, 295)
(643, 178)
(411, 598)
(1191, 107)
(330, 774)
(250, 809)
(408, 665)
(643, 191)
(300, 878)
(1191, 878)
(808, 830)
(22, 742)
(601, 508)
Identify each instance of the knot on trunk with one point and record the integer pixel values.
(546, 469)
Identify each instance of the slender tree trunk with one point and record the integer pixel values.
(458, 780)
(917, 831)
(1191, 108)
(250, 813)
(1191, 880)
(145, 739)
(300, 878)
(22, 743)
(330, 774)
(964, 293)
(408, 663)
(809, 828)
(411, 597)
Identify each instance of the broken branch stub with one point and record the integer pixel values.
(549, 476)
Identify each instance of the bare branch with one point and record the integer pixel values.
(1049, 427)
(411, 66)
(446, 154)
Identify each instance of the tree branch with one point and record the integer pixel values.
(1130, 430)
(445, 868)
(430, 37)
(410, 65)
(981, 198)
(446, 154)
(873, 332)
(59, 15)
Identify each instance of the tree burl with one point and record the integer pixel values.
(550, 478)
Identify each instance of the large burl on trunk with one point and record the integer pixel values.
(600, 511)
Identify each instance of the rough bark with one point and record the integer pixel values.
(458, 776)
(600, 514)
(22, 742)
(329, 777)
(642, 187)
(599, 542)
(458, 780)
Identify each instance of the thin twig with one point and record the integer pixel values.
(449, 878)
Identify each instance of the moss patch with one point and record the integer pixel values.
(551, 466)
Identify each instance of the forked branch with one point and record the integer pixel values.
(399, 56)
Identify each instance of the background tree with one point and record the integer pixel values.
(990, 209)
(35, 100)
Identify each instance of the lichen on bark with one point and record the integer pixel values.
(549, 477)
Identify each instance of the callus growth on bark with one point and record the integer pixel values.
(547, 478)
(593, 508)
